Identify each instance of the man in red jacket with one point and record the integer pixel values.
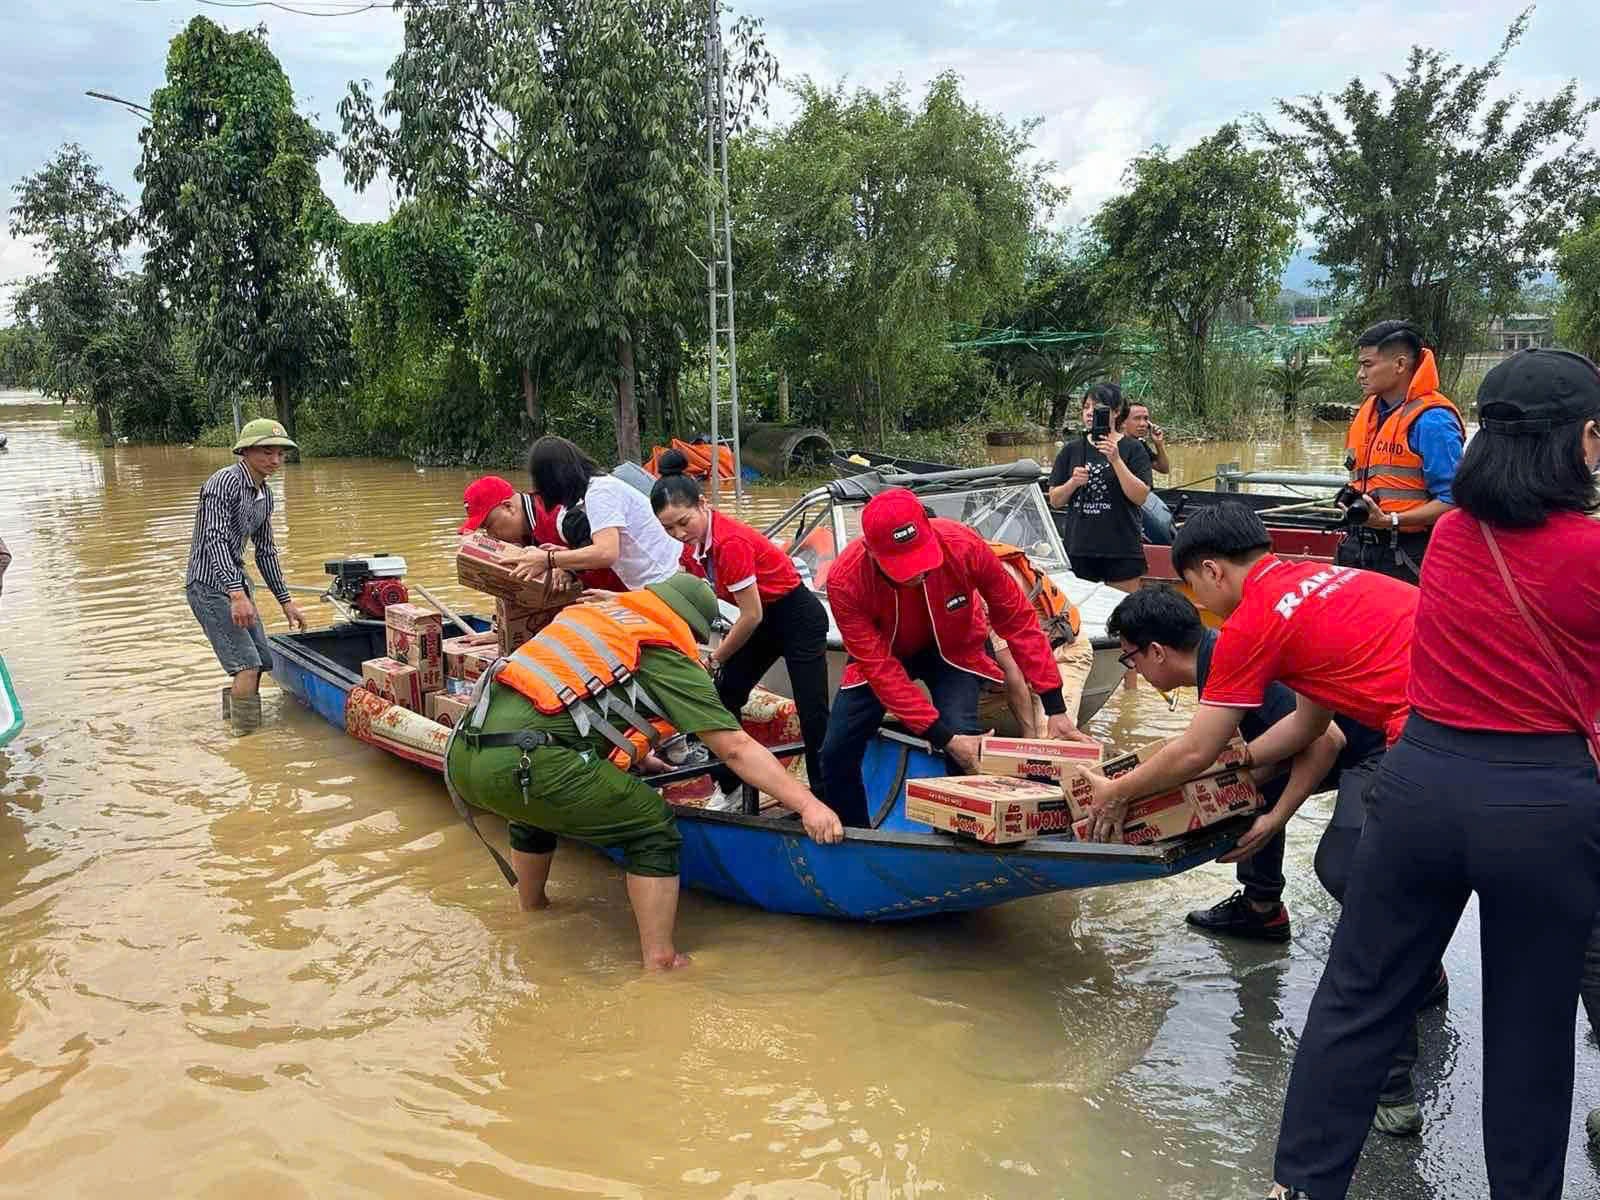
(904, 597)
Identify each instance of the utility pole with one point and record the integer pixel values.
(719, 264)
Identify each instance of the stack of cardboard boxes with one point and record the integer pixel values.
(1029, 787)
(521, 608)
(414, 665)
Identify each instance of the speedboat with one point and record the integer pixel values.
(1002, 503)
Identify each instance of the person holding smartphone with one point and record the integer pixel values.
(1101, 478)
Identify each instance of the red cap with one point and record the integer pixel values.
(481, 496)
(898, 535)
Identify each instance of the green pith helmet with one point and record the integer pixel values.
(263, 431)
(692, 599)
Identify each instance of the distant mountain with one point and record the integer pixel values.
(1302, 273)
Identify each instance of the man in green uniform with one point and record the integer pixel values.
(570, 787)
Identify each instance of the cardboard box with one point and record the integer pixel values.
(1197, 804)
(987, 808)
(457, 648)
(394, 681)
(514, 624)
(1043, 760)
(446, 708)
(414, 635)
(475, 662)
(484, 564)
(1079, 796)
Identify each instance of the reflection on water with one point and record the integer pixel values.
(278, 966)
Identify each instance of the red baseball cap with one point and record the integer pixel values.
(898, 535)
(482, 496)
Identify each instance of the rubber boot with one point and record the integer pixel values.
(246, 712)
(227, 703)
(1592, 1128)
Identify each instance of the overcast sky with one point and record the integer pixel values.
(1107, 79)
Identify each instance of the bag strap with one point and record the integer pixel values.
(1587, 724)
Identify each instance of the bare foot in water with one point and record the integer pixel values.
(533, 903)
(668, 964)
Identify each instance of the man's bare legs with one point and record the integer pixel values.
(533, 871)
(655, 907)
(1130, 678)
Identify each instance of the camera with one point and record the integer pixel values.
(1357, 508)
(1101, 426)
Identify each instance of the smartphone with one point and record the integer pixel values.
(1102, 421)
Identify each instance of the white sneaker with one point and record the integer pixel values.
(721, 801)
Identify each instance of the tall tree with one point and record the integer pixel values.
(80, 225)
(873, 225)
(1195, 234)
(1436, 202)
(1578, 310)
(580, 129)
(229, 170)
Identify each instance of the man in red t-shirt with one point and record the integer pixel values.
(1340, 639)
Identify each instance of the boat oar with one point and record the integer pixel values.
(444, 608)
(1280, 509)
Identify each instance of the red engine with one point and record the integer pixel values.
(369, 585)
(377, 594)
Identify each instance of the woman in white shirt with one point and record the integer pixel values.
(624, 534)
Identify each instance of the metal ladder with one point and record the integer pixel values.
(723, 348)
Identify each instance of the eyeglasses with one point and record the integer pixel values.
(1127, 659)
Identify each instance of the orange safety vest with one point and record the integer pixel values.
(1057, 614)
(1378, 453)
(583, 663)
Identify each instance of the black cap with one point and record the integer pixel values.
(1537, 391)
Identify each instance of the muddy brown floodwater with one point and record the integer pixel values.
(278, 966)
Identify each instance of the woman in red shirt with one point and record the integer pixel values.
(1493, 788)
(779, 617)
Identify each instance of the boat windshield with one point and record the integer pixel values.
(1005, 514)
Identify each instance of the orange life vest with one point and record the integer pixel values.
(699, 456)
(1378, 453)
(583, 663)
(1057, 614)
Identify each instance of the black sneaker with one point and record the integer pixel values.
(1237, 917)
(1439, 994)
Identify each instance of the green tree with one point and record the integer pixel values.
(870, 226)
(1437, 203)
(20, 356)
(1195, 234)
(578, 129)
(1578, 268)
(229, 170)
(80, 225)
(1067, 323)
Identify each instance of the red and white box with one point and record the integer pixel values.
(485, 564)
(394, 681)
(414, 636)
(457, 648)
(987, 808)
(447, 709)
(1197, 804)
(1079, 797)
(1043, 760)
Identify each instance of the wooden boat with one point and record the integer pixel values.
(893, 871)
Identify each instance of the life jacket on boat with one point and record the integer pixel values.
(546, 525)
(1057, 615)
(1378, 452)
(583, 663)
(698, 455)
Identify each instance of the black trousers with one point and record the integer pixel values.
(794, 628)
(1516, 819)
(1399, 556)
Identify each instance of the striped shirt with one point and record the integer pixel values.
(232, 508)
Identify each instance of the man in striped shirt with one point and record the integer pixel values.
(236, 504)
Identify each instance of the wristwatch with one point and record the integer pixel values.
(1394, 520)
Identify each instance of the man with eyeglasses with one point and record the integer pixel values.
(1164, 640)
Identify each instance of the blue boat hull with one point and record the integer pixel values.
(892, 872)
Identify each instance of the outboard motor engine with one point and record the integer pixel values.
(369, 585)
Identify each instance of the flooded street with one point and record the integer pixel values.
(279, 966)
